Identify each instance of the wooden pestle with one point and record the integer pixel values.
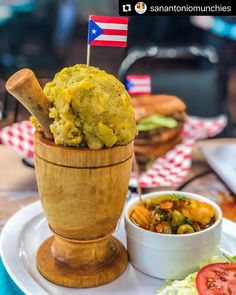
(24, 86)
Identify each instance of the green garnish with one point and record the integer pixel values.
(230, 258)
(176, 197)
(187, 221)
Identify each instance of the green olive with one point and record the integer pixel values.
(185, 229)
(150, 204)
(176, 218)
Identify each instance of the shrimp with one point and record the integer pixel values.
(141, 216)
(198, 211)
(203, 213)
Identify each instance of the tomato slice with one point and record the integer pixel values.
(217, 279)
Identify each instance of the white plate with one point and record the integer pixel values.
(28, 228)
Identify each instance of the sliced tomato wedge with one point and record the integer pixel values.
(217, 279)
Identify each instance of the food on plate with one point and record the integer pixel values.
(216, 278)
(184, 230)
(173, 214)
(160, 120)
(90, 108)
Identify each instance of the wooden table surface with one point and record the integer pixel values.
(200, 179)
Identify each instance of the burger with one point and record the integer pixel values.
(160, 121)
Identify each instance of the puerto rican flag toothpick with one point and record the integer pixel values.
(138, 84)
(107, 31)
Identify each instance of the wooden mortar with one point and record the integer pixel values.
(83, 194)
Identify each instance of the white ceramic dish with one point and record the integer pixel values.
(168, 256)
(28, 228)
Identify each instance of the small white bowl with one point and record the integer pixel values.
(169, 256)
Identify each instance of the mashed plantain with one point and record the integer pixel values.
(90, 108)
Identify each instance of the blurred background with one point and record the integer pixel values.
(181, 54)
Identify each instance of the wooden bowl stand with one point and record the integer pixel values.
(83, 194)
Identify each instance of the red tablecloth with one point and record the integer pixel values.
(168, 170)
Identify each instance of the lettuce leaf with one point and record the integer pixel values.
(156, 121)
(180, 287)
(187, 286)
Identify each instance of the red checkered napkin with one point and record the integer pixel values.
(20, 136)
(172, 168)
(168, 170)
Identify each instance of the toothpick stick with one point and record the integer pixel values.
(88, 54)
(137, 172)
